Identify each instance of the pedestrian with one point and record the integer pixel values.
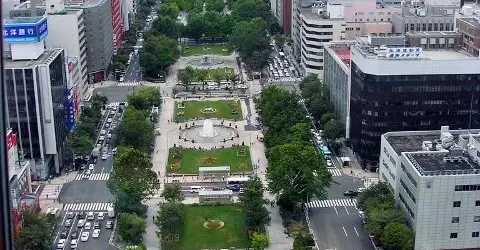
(153, 218)
(47, 196)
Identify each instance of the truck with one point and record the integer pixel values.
(96, 151)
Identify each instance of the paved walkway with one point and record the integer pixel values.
(50, 190)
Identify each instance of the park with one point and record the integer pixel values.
(220, 109)
(207, 49)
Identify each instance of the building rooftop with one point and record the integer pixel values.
(343, 54)
(45, 58)
(472, 21)
(409, 143)
(432, 33)
(439, 163)
(23, 20)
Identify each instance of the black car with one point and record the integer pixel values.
(64, 234)
(109, 224)
(68, 223)
(350, 193)
(97, 225)
(70, 215)
(82, 215)
(74, 235)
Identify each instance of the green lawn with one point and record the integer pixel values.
(187, 161)
(224, 109)
(206, 49)
(194, 236)
(224, 72)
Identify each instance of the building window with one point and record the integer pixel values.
(424, 27)
(457, 203)
(476, 218)
(455, 219)
(477, 203)
(441, 27)
(429, 27)
(453, 235)
(475, 234)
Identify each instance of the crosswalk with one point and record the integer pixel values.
(128, 84)
(332, 203)
(286, 79)
(93, 177)
(98, 206)
(335, 171)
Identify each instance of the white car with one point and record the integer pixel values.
(81, 223)
(61, 243)
(96, 233)
(103, 132)
(88, 226)
(91, 167)
(74, 243)
(329, 163)
(84, 236)
(114, 151)
(104, 157)
(121, 79)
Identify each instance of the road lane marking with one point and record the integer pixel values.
(354, 228)
(346, 210)
(345, 231)
(336, 210)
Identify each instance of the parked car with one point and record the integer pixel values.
(87, 226)
(97, 225)
(61, 243)
(74, 244)
(81, 223)
(350, 193)
(70, 215)
(74, 235)
(68, 223)
(85, 236)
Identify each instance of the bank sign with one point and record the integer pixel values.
(25, 32)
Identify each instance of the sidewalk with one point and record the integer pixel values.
(51, 189)
(355, 169)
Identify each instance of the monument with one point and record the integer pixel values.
(208, 130)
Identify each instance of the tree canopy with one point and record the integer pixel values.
(166, 26)
(143, 98)
(130, 228)
(333, 130)
(210, 26)
(158, 53)
(132, 173)
(297, 172)
(259, 241)
(37, 232)
(135, 130)
(397, 236)
(170, 222)
(255, 214)
(172, 193)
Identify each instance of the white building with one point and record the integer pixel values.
(312, 27)
(435, 177)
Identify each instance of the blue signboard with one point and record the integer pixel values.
(69, 114)
(17, 31)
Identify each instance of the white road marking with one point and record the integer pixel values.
(346, 210)
(354, 228)
(336, 210)
(345, 231)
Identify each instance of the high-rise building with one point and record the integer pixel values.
(435, 178)
(98, 31)
(117, 24)
(398, 88)
(313, 26)
(39, 109)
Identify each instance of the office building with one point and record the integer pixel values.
(336, 76)
(469, 28)
(432, 40)
(39, 111)
(117, 24)
(416, 16)
(314, 25)
(283, 13)
(398, 88)
(97, 19)
(435, 178)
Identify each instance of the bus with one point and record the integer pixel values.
(326, 153)
(236, 182)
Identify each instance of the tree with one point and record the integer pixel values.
(316, 97)
(128, 203)
(135, 130)
(186, 76)
(132, 173)
(297, 172)
(300, 133)
(37, 232)
(167, 26)
(259, 241)
(333, 130)
(377, 219)
(233, 78)
(249, 9)
(172, 193)
(254, 212)
(98, 101)
(79, 144)
(168, 10)
(137, 247)
(158, 53)
(130, 228)
(143, 98)
(375, 196)
(217, 77)
(170, 222)
(397, 236)
(202, 75)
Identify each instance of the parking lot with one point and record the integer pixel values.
(86, 211)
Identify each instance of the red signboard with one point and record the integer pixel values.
(70, 67)
(11, 140)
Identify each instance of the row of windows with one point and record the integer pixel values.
(457, 219)
(410, 177)
(319, 40)
(368, 20)
(429, 27)
(317, 33)
(329, 26)
(467, 187)
(459, 203)
(312, 45)
(311, 52)
(408, 191)
(455, 235)
(406, 206)
(314, 67)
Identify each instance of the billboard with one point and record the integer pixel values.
(69, 114)
(404, 53)
(30, 30)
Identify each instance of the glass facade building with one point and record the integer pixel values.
(408, 102)
(35, 97)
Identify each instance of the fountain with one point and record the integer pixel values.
(206, 61)
(207, 130)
